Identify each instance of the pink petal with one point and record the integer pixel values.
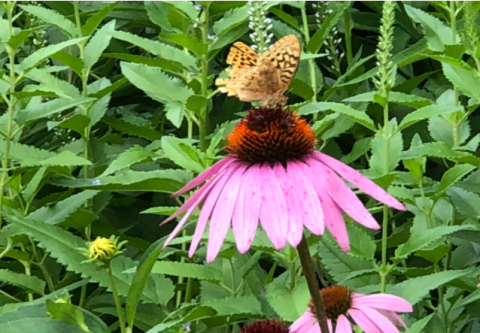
(365, 323)
(208, 206)
(295, 230)
(383, 323)
(382, 301)
(343, 325)
(344, 196)
(247, 210)
(333, 216)
(305, 321)
(394, 318)
(315, 328)
(360, 181)
(217, 167)
(308, 200)
(273, 208)
(222, 214)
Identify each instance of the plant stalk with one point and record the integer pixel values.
(311, 62)
(318, 305)
(116, 298)
(203, 119)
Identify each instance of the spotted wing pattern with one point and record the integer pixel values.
(263, 78)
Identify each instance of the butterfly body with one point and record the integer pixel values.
(262, 78)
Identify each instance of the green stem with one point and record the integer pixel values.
(116, 298)
(453, 26)
(318, 304)
(203, 126)
(11, 107)
(311, 62)
(383, 268)
(348, 35)
(83, 296)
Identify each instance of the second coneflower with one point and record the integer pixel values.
(274, 176)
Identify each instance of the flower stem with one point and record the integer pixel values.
(318, 305)
(311, 62)
(116, 298)
(348, 34)
(383, 272)
(203, 119)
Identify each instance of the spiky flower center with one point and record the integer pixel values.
(337, 300)
(270, 135)
(265, 326)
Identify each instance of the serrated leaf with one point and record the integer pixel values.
(464, 79)
(51, 107)
(189, 42)
(31, 283)
(77, 123)
(441, 150)
(436, 32)
(452, 175)
(68, 313)
(393, 97)
(97, 44)
(33, 185)
(231, 306)
(157, 11)
(231, 19)
(287, 18)
(288, 304)
(427, 112)
(358, 116)
(65, 158)
(386, 150)
(301, 88)
(159, 49)
(166, 65)
(418, 241)
(128, 158)
(52, 17)
(94, 21)
(175, 112)
(201, 272)
(156, 84)
(360, 147)
(467, 203)
(167, 181)
(182, 153)
(414, 290)
(62, 210)
(361, 244)
(76, 64)
(16, 40)
(33, 59)
(53, 84)
(131, 129)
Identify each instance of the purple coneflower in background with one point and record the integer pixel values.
(274, 176)
(373, 313)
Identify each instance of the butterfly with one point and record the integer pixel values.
(261, 78)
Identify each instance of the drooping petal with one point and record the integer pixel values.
(214, 169)
(315, 328)
(313, 217)
(332, 214)
(295, 222)
(382, 301)
(306, 320)
(273, 208)
(383, 323)
(360, 181)
(344, 196)
(247, 210)
(343, 325)
(394, 318)
(208, 207)
(222, 214)
(365, 323)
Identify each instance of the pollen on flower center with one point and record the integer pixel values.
(269, 135)
(337, 300)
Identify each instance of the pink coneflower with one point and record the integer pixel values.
(373, 313)
(274, 176)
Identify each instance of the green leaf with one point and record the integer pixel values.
(287, 18)
(189, 42)
(94, 21)
(156, 84)
(452, 175)
(159, 49)
(52, 17)
(414, 290)
(231, 19)
(132, 156)
(387, 147)
(33, 59)
(16, 40)
(53, 84)
(33, 185)
(231, 306)
(288, 304)
(358, 116)
(427, 112)
(360, 147)
(317, 39)
(361, 244)
(76, 64)
(68, 313)
(49, 108)
(167, 181)
(301, 88)
(437, 33)
(465, 79)
(467, 203)
(182, 153)
(393, 97)
(418, 241)
(441, 150)
(97, 44)
(77, 122)
(62, 210)
(157, 12)
(194, 271)
(131, 129)
(166, 65)
(31, 283)
(175, 112)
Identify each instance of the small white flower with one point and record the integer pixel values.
(95, 182)
(254, 47)
(270, 27)
(187, 326)
(212, 37)
(198, 7)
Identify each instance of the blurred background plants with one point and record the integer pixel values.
(108, 108)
